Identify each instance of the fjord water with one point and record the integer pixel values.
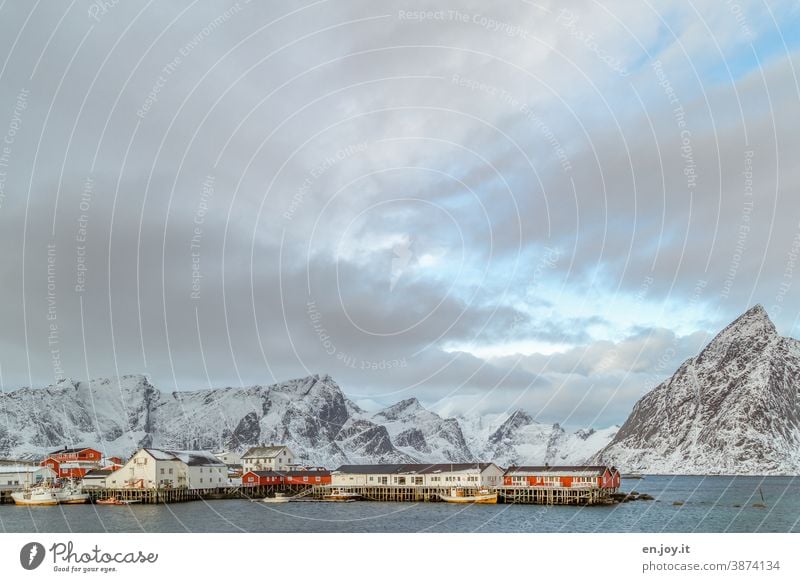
(710, 504)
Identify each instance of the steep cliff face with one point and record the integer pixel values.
(731, 409)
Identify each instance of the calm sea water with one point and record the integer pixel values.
(710, 504)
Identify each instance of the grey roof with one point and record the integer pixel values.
(22, 468)
(197, 458)
(191, 458)
(271, 451)
(408, 468)
(98, 473)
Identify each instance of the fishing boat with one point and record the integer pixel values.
(71, 493)
(632, 476)
(279, 498)
(341, 495)
(36, 496)
(461, 495)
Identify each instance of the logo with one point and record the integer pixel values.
(31, 555)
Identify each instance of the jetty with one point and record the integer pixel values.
(152, 476)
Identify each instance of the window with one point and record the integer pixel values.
(318, 479)
(305, 478)
(170, 471)
(162, 470)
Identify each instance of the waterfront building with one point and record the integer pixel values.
(310, 476)
(267, 458)
(155, 468)
(576, 477)
(22, 476)
(73, 463)
(471, 475)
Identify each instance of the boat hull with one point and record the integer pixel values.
(20, 499)
(75, 499)
(489, 499)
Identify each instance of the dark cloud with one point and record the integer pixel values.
(484, 208)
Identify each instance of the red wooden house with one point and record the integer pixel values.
(581, 476)
(299, 477)
(73, 463)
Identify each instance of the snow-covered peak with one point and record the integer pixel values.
(404, 408)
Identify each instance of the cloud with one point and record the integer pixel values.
(483, 207)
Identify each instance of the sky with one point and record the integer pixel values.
(537, 205)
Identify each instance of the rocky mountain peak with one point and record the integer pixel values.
(744, 338)
(407, 407)
(731, 410)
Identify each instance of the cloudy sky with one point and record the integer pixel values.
(544, 205)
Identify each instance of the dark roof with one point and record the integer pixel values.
(290, 473)
(404, 468)
(599, 469)
(98, 473)
(66, 451)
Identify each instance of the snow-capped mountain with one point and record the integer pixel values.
(311, 415)
(423, 434)
(733, 409)
(517, 439)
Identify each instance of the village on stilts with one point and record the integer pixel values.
(272, 474)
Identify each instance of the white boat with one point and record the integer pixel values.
(71, 493)
(279, 498)
(341, 495)
(36, 496)
(461, 495)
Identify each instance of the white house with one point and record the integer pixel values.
(271, 458)
(155, 468)
(477, 475)
(20, 476)
(229, 457)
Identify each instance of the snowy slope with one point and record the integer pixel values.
(311, 415)
(517, 439)
(730, 410)
(424, 434)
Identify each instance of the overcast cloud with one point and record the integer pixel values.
(546, 205)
